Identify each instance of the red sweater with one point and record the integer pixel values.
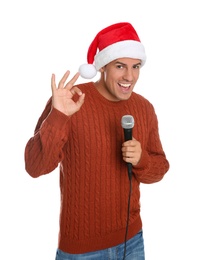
(94, 181)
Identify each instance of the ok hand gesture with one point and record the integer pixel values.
(62, 96)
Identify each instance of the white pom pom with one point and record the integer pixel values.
(87, 71)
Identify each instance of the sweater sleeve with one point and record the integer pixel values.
(43, 151)
(153, 163)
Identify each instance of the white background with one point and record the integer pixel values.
(38, 38)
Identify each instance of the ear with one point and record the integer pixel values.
(102, 69)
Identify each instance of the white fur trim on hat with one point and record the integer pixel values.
(122, 49)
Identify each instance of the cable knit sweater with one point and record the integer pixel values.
(94, 181)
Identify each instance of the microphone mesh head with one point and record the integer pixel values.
(127, 122)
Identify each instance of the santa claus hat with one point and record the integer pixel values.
(119, 40)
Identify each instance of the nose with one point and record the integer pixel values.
(129, 75)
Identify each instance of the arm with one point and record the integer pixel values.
(43, 151)
(149, 161)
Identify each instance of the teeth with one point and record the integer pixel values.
(125, 85)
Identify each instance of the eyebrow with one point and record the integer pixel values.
(139, 63)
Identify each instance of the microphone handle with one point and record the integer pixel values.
(128, 136)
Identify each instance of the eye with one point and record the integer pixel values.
(137, 66)
(119, 66)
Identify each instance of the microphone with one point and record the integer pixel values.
(127, 123)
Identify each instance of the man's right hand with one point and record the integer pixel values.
(62, 96)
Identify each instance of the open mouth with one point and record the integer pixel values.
(124, 86)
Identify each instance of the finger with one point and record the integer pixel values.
(63, 79)
(127, 143)
(76, 90)
(53, 85)
(80, 101)
(70, 84)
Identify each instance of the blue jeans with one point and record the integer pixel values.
(134, 251)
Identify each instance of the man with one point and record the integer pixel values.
(80, 130)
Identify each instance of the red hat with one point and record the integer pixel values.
(119, 40)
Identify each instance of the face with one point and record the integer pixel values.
(119, 78)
